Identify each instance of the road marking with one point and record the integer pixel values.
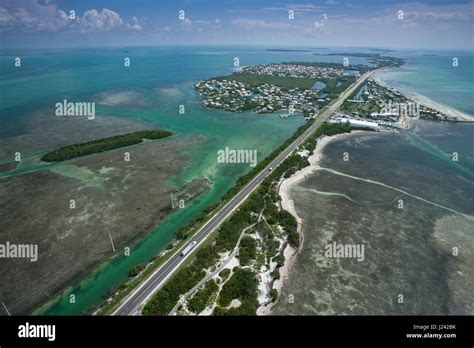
(162, 272)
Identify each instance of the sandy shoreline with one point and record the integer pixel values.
(427, 102)
(285, 187)
(288, 204)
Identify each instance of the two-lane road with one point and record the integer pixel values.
(132, 303)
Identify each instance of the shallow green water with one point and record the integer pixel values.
(155, 100)
(152, 89)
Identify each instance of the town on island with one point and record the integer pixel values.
(247, 258)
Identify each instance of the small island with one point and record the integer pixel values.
(305, 88)
(296, 87)
(376, 59)
(101, 145)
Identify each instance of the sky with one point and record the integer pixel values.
(424, 24)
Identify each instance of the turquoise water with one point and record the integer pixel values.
(159, 80)
(432, 74)
(443, 139)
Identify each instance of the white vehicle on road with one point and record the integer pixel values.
(188, 248)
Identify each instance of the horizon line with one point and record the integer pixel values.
(469, 49)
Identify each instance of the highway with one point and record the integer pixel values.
(132, 303)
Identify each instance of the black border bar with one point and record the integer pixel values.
(242, 331)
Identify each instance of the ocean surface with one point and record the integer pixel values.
(409, 251)
(409, 248)
(159, 80)
(431, 76)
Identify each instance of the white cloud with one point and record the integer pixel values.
(216, 24)
(21, 19)
(135, 24)
(105, 20)
(186, 23)
(318, 26)
(5, 17)
(431, 17)
(258, 24)
(417, 15)
(295, 7)
(46, 2)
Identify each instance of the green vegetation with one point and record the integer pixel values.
(247, 250)
(274, 294)
(181, 282)
(386, 61)
(361, 68)
(126, 287)
(275, 274)
(326, 129)
(244, 179)
(111, 292)
(279, 259)
(317, 64)
(289, 224)
(255, 80)
(284, 219)
(356, 54)
(224, 274)
(270, 246)
(202, 297)
(183, 232)
(362, 109)
(101, 145)
(136, 270)
(379, 95)
(228, 233)
(373, 58)
(242, 286)
(334, 88)
(230, 230)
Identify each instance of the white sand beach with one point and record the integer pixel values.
(287, 203)
(425, 101)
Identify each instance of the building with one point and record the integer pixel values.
(356, 123)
